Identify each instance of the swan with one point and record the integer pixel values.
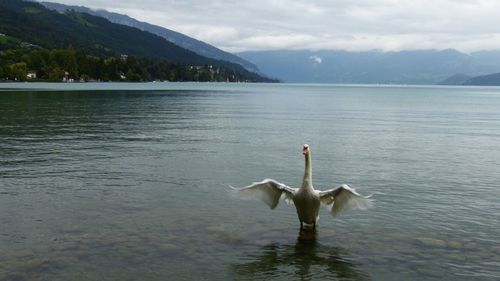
(306, 199)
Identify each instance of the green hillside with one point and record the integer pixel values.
(39, 27)
(186, 42)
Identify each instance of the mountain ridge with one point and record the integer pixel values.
(456, 79)
(372, 67)
(36, 26)
(175, 37)
(31, 22)
(484, 80)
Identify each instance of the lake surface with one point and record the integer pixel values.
(130, 181)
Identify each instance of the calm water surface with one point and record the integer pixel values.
(133, 184)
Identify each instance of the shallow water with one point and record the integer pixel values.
(133, 184)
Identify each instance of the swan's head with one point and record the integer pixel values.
(305, 150)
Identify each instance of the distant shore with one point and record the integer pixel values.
(197, 86)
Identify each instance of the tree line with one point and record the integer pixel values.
(38, 64)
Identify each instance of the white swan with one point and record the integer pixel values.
(306, 199)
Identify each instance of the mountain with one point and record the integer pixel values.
(8, 42)
(31, 22)
(372, 67)
(35, 27)
(486, 56)
(177, 38)
(484, 80)
(457, 79)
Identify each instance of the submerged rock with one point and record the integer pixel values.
(471, 246)
(67, 246)
(455, 245)
(18, 276)
(431, 242)
(459, 257)
(326, 233)
(167, 247)
(431, 272)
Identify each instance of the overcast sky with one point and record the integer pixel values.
(235, 25)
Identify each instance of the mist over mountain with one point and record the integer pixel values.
(189, 43)
(372, 67)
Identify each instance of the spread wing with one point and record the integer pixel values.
(269, 191)
(344, 198)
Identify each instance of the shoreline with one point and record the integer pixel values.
(217, 86)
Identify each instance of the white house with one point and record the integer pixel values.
(31, 75)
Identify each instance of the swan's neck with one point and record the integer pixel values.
(307, 182)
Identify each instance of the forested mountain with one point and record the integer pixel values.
(177, 38)
(484, 80)
(38, 64)
(372, 67)
(457, 79)
(38, 27)
(33, 23)
(481, 80)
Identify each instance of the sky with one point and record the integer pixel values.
(355, 25)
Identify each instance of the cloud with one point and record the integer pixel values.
(467, 25)
(316, 59)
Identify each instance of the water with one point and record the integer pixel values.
(110, 184)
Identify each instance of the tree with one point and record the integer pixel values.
(19, 71)
(37, 59)
(70, 62)
(204, 75)
(133, 76)
(56, 74)
(51, 65)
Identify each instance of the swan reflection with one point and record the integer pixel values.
(306, 259)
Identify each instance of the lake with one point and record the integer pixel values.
(131, 181)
